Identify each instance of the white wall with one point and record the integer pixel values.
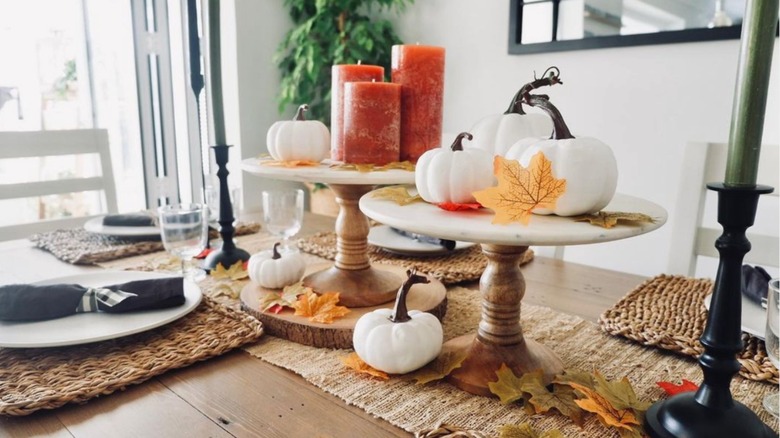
(645, 102)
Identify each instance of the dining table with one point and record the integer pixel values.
(237, 394)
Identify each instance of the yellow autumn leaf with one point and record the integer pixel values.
(608, 219)
(620, 393)
(235, 272)
(561, 398)
(509, 387)
(285, 298)
(323, 309)
(354, 362)
(362, 168)
(580, 377)
(520, 190)
(398, 194)
(400, 165)
(440, 367)
(290, 163)
(524, 430)
(607, 414)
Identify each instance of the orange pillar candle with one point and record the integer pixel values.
(342, 74)
(372, 122)
(420, 70)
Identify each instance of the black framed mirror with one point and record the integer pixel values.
(538, 26)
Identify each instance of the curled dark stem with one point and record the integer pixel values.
(400, 313)
(457, 145)
(550, 77)
(276, 255)
(560, 129)
(299, 115)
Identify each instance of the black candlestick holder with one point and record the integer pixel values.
(711, 412)
(228, 255)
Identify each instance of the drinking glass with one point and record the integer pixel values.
(283, 213)
(771, 339)
(184, 234)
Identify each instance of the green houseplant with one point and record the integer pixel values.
(328, 32)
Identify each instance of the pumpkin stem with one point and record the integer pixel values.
(550, 77)
(299, 116)
(276, 255)
(457, 145)
(400, 313)
(560, 129)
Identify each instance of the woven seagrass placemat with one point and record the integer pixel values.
(47, 378)
(80, 247)
(668, 312)
(463, 265)
(580, 345)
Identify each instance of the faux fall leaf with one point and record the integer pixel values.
(509, 387)
(608, 219)
(290, 163)
(524, 430)
(354, 361)
(561, 399)
(235, 272)
(606, 412)
(520, 190)
(323, 309)
(619, 393)
(440, 367)
(369, 167)
(580, 377)
(673, 389)
(398, 194)
(275, 302)
(452, 206)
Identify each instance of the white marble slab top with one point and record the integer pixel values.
(476, 226)
(325, 174)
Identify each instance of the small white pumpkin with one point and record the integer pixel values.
(453, 174)
(299, 139)
(398, 341)
(496, 133)
(271, 270)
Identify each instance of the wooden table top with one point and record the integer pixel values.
(239, 395)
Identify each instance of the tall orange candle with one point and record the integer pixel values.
(342, 74)
(372, 122)
(420, 70)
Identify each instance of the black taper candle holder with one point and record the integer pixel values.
(228, 255)
(711, 412)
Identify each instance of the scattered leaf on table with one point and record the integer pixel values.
(362, 168)
(204, 253)
(673, 389)
(619, 393)
(509, 387)
(524, 430)
(452, 206)
(228, 289)
(235, 272)
(608, 219)
(275, 302)
(290, 163)
(520, 190)
(607, 414)
(398, 194)
(440, 367)
(580, 377)
(400, 165)
(354, 361)
(561, 399)
(323, 309)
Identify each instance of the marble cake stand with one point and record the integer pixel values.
(499, 337)
(359, 283)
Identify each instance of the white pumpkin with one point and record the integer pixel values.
(299, 139)
(398, 341)
(272, 270)
(496, 133)
(453, 174)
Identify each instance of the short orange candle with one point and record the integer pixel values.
(420, 70)
(372, 122)
(342, 74)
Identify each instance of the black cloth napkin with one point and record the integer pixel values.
(26, 302)
(129, 220)
(755, 283)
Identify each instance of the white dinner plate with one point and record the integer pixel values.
(753, 316)
(95, 225)
(384, 237)
(83, 328)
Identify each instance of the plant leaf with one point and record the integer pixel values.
(524, 430)
(276, 301)
(619, 393)
(398, 194)
(323, 309)
(452, 206)
(673, 389)
(290, 163)
(582, 378)
(440, 367)
(560, 399)
(608, 219)
(607, 414)
(509, 387)
(400, 165)
(520, 190)
(235, 272)
(354, 361)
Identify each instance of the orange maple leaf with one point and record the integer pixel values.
(520, 190)
(608, 414)
(354, 361)
(320, 308)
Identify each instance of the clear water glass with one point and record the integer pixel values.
(184, 230)
(283, 213)
(771, 401)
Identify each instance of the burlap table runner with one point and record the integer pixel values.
(80, 247)
(463, 265)
(47, 378)
(668, 312)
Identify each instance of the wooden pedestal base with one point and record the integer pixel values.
(366, 287)
(429, 298)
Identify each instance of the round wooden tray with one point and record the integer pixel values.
(429, 298)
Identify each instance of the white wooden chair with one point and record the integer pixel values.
(56, 143)
(691, 237)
